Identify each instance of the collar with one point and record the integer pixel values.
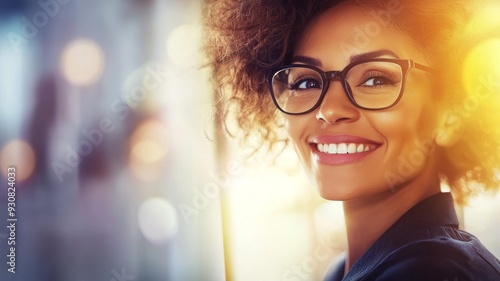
(437, 210)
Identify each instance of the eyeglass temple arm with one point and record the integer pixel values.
(423, 67)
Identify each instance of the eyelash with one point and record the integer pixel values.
(378, 74)
(297, 81)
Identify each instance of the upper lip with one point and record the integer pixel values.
(341, 138)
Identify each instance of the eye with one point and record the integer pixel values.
(374, 79)
(305, 84)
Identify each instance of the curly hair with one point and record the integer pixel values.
(245, 39)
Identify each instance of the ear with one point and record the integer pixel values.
(450, 129)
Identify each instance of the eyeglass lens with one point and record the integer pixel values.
(371, 85)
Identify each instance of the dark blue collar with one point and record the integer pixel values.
(435, 211)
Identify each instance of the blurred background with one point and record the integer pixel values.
(122, 173)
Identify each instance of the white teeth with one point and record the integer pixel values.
(351, 148)
(360, 148)
(332, 148)
(343, 148)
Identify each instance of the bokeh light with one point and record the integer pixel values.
(94, 116)
(82, 62)
(157, 220)
(148, 150)
(20, 154)
(137, 64)
(485, 19)
(482, 68)
(183, 46)
(145, 89)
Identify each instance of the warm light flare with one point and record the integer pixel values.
(148, 150)
(82, 62)
(20, 154)
(183, 45)
(486, 19)
(481, 71)
(333, 213)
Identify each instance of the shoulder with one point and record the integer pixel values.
(439, 259)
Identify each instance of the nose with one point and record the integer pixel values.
(336, 107)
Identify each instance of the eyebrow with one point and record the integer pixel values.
(307, 60)
(372, 55)
(352, 59)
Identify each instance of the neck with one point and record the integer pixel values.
(368, 218)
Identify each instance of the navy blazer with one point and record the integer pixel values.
(425, 244)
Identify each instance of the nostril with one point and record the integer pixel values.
(336, 107)
(333, 120)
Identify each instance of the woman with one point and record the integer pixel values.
(370, 94)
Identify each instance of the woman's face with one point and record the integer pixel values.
(394, 144)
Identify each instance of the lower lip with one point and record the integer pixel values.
(339, 159)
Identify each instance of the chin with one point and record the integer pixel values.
(338, 193)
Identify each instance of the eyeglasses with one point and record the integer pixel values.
(370, 84)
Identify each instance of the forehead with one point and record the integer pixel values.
(348, 29)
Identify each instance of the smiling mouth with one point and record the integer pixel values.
(344, 148)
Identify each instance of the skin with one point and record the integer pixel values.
(371, 202)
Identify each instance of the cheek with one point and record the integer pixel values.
(408, 132)
(413, 118)
(297, 131)
(404, 131)
(420, 106)
(295, 127)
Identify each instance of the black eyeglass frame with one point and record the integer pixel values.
(326, 76)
